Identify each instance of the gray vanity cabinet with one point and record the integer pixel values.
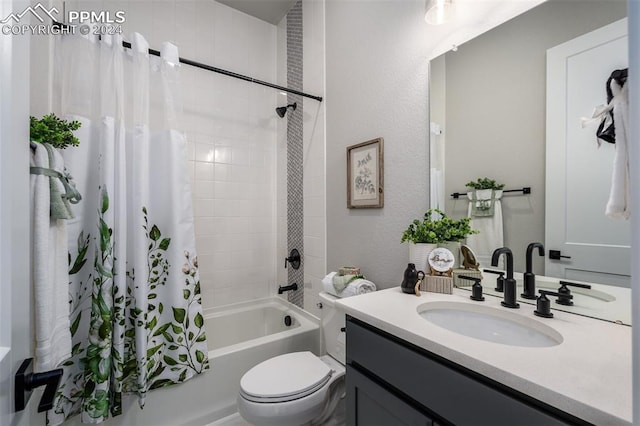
(392, 382)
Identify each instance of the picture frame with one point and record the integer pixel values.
(365, 174)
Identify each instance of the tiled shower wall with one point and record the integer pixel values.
(313, 153)
(235, 146)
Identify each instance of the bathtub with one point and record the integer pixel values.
(238, 336)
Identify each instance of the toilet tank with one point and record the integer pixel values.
(333, 320)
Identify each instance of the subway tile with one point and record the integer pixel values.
(222, 172)
(205, 225)
(221, 225)
(222, 260)
(222, 190)
(205, 152)
(241, 157)
(314, 226)
(203, 189)
(203, 171)
(205, 244)
(202, 207)
(222, 208)
(205, 264)
(222, 154)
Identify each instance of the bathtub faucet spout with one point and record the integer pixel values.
(282, 289)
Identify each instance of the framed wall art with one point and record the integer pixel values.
(365, 175)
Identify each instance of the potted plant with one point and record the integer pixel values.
(422, 238)
(451, 233)
(435, 229)
(485, 183)
(53, 130)
(483, 195)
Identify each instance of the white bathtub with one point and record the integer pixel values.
(239, 337)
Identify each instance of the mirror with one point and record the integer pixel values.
(488, 108)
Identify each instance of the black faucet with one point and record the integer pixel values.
(529, 289)
(282, 289)
(509, 283)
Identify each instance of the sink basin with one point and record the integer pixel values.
(490, 324)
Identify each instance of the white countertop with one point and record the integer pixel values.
(587, 375)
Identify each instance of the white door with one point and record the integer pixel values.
(578, 175)
(15, 294)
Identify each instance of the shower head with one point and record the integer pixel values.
(281, 111)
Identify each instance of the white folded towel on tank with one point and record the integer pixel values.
(355, 287)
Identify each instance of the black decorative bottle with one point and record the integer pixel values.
(410, 279)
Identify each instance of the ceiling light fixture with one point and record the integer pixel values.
(439, 11)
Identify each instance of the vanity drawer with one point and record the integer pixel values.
(441, 387)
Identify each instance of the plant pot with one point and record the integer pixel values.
(453, 247)
(419, 255)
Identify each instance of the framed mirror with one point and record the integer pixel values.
(488, 113)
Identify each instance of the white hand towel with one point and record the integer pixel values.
(491, 232)
(355, 287)
(327, 283)
(618, 204)
(50, 273)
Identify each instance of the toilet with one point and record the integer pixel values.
(298, 388)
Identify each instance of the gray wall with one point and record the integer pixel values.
(495, 110)
(376, 64)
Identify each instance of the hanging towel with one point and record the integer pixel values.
(50, 271)
(618, 204)
(60, 207)
(491, 233)
(483, 202)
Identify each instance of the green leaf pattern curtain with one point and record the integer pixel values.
(136, 316)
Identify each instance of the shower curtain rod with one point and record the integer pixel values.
(200, 65)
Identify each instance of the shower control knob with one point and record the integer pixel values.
(293, 259)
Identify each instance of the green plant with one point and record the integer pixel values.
(438, 230)
(53, 130)
(485, 183)
(449, 229)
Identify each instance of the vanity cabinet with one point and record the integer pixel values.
(392, 382)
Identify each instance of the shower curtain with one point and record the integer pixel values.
(135, 311)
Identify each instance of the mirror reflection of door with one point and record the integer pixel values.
(493, 112)
(579, 173)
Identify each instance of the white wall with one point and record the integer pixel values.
(376, 72)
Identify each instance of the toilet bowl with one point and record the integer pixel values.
(291, 390)
(298, 388)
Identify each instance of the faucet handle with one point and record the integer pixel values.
(293, 259)
(476, 289)
(565, 283)
(499, 280)
(543, 304)
(565, 292)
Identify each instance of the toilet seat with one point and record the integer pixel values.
(271, 381)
